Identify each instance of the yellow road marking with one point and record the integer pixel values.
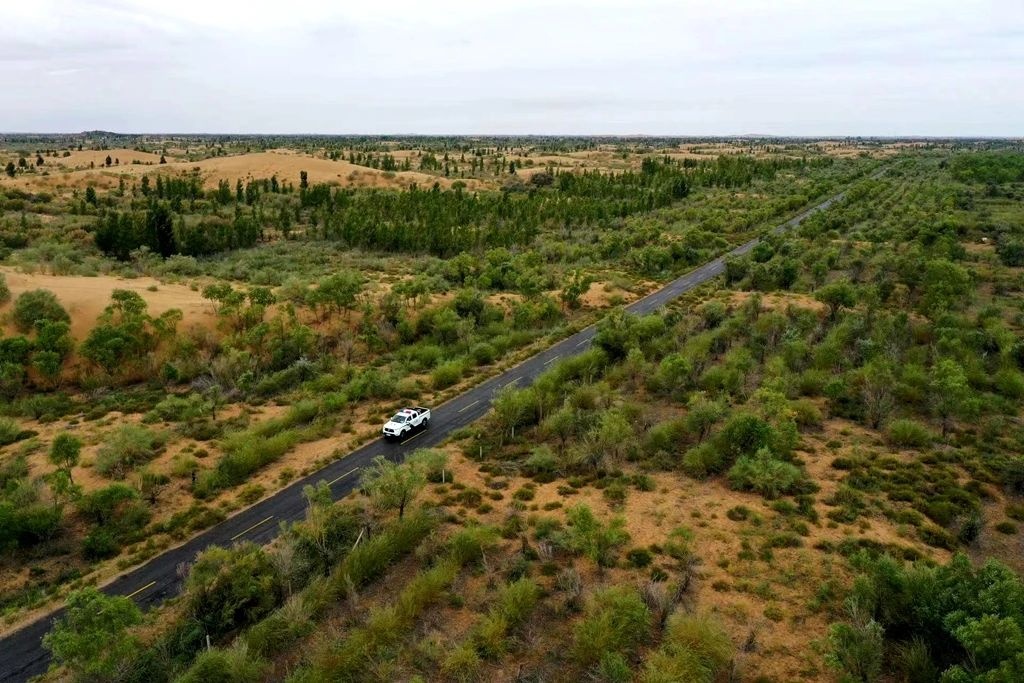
(469, 406)
(263, 521)
(413, 437)
(339, 478)
(148, 585)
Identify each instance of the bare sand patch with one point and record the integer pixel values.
(86, 297)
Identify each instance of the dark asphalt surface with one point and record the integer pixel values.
(21, 653)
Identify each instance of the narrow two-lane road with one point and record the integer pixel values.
(22, 654)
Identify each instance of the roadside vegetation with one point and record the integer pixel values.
(747, 484)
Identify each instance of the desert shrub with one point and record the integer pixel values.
(10, 431)
(695, 648)
(234, 665)
(92, 638)
(369, 559)
(129, 446)
(514, 604)
(100, 544)
(703, 460)
(384, 627)
(228, 589)
(542, 462)
(744, 434)
(639, 557)
(483, 353)
(461, 664)
(5, 291)
(586, 535)
(469, 545)
(908, 434)
(35, 305)
(615, 620)
(24, 525)
(180, 408)
(678, 544)
(447, 374)
(856, 649)
(286, 625)
(765, 474)
(968, 618)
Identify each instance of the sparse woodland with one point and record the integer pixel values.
(808, 469)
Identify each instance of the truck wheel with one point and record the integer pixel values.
(426, 423)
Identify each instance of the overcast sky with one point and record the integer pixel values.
(814, 67)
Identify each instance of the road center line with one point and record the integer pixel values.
(464, 408)
(148, 585)
(582, 343)
(552, 360)
(412, 437)
(512, 382)
(262, 521)
(339, 478)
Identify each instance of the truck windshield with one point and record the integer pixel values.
(400, 419)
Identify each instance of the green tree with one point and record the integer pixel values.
(392, 486)
(10, 169)
(90, 195)
(92, 639)
(945, 286)
(65, 451)
(951, 395)
(837, 295)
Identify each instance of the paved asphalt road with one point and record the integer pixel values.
(21, 653)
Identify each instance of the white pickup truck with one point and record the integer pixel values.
(406, 420)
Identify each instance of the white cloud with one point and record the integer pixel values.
(559, 66)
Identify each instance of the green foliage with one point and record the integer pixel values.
(126, 448)
(234, 665)
(765, 474)
(694, 648)
(37, 305)
(392, 486)
(908, 434)
(10, 431)
(615, 621)
(970, 619)
(586, 535)
(856, 649)
(231, 588)
(92, 638)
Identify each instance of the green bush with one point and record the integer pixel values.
(228, 589)
(703, 460)
(615, 620)
(129, 446)
(5, 291)
(235, 665)
(694, 649)
(908, 434)
(35, 305)
(765, 474)
(10, 431)
(447, 374)
(369, 559)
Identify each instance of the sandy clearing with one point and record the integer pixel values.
(86, 297)
(285, 165)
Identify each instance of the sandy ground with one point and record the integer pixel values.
(286, 165)
(86, 297)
